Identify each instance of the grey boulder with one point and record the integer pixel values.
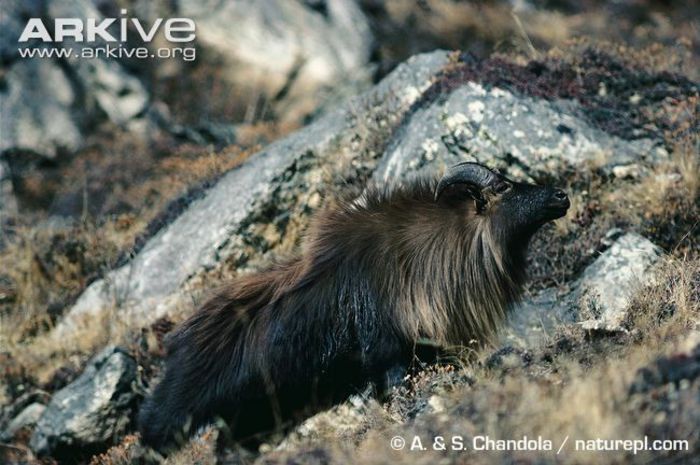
(49, 104)
(36, 109)
(25, 420)
(608, 284)
(91, 411)
(12, 22)
(519, 134)
(8, 202)
(291, 51)
(598, 300)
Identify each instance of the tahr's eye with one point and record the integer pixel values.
(502, 187)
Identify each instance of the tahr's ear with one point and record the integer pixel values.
(466, 179)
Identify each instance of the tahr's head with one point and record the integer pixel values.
(514, 208)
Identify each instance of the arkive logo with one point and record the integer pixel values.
(175, 30)
(107, 38)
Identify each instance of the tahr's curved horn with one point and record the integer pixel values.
(475, 175)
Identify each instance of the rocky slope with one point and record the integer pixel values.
(410, 123)
(534, 121)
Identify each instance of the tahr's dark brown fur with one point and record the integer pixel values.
(374, 276)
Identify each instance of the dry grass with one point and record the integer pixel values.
(647, 29)
(123, 454)
(670, 309)
(50, 266)
(199, 451)
(672, 185)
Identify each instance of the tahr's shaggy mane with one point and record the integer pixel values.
(431, 260)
